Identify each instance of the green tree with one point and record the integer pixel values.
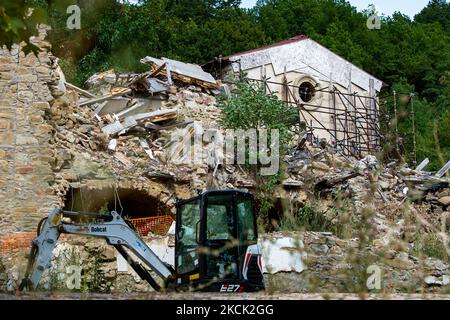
(250, 107)
(18, 22)
(437, 11)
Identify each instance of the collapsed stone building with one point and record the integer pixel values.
(52, 146)
(116, 145)
(111, 148)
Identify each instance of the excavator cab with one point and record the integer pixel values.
(216, 243)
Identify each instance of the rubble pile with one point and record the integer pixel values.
(405, 206)
(141, 123)
(138, 129)
(328, 175)
(131, 130)
(332, 264)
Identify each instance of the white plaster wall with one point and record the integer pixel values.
(307, 56)
(325, 102)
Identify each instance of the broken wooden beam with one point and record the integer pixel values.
(291, 183)
(424, 179)
(157, 116)
(330, 182)
(157, 71)
(107, 97)
(132, 121)
(79, 90)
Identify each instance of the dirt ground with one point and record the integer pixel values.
(214, 296)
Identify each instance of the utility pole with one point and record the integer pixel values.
(396, 121)
(264, 77)
(414, 129)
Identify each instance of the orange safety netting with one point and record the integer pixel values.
(158, 225)
(16, 241)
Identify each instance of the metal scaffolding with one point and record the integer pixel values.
(354, 120)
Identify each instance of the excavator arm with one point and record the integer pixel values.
(111, 227)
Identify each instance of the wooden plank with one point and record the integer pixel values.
(155, 127)
(157, 115)
(166, 117)
(327, 183)
(123, 159)
(104, 98)
(157, 71)
(79, 90)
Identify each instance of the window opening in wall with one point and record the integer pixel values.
(307, 91)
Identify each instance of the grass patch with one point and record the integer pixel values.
(431, 245)
(306, 219)
(3, 276)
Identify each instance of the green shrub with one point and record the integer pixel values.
(3, 276)
(308, 219)
(431, 245)
(94, 277)
(250, 107)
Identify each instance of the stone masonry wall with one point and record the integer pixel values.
(28, 84)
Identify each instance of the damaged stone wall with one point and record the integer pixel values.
(27, 84)
(49, 144)
(52, 145)
(332, 266)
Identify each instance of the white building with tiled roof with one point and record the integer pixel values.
(335, 98)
